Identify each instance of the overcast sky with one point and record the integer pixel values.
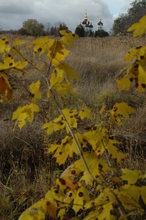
(71, 12)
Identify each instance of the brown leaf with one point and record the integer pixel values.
(5, 88)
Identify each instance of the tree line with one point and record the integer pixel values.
(32, 27)
(35, 28)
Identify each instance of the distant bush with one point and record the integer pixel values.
(23, 31)
(101, 33)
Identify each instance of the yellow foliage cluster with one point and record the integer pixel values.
(135, 73)
(92, 186)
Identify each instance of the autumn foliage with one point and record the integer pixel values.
(95, 184)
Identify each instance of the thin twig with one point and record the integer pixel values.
(6, 187)
(23, 141)
(121, 207)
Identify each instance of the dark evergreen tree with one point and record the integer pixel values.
(52, 31)
(62, 26)
(80, 30)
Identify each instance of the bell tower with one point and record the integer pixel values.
(100, 25)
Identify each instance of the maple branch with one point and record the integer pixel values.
(73, 136)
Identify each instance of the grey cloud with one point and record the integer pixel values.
(15, 7)
(14, 12)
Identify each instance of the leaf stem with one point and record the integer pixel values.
(121, 207)
(106, 154)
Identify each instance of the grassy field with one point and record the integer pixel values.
(26, 171)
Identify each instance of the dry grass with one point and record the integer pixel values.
(26, 172)
(98, 61)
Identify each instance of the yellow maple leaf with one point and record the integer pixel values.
(64, 88)
(37, 211)
(42, 45)
(121, 109)
(35, 91)
(55, 79)
(20, 64)
(55, 125)
(129, 196)
(132, 176)
(113, 150)
(141, 79)
(65, 149)
(25, 113)
(106, 212)
(70, 73)
(52, 148)
(54, 195)
(58, 83)
(68, 37)
(61, 213)
(139, 28)
(127, 76)
(59, 124)
(91, 141)
(85, 113)
(8, 62)
(70, 116)
(135, 73)
(94, 137)
(104, 200)
(4, 44)
(67, 179)
(143, 193)
(57, 52)
(79, 198)
(95, 165)
(135, 54)
(122, 79)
